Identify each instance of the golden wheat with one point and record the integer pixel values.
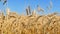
(32, 24)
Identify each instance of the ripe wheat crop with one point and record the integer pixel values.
(32, 24)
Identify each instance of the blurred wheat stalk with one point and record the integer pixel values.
(13, 23)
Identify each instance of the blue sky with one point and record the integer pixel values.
(19, 6)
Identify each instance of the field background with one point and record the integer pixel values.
(29, 17)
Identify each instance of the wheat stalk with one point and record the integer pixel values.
(28, 10)
(39, 8)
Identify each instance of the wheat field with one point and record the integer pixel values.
(32, 24)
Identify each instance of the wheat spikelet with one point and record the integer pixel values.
(39, 8)
(7, 11)
(4, 2)
(51, 4)
(28, 10)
